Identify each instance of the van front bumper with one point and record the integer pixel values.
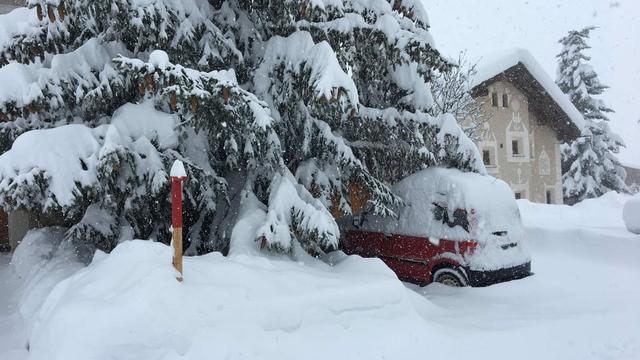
(480, 278)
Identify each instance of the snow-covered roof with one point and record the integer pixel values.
(509, 65)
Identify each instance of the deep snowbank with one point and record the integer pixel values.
(580, 304)
(631, 214)
(128, 305)
(12, 333)
(40, 262)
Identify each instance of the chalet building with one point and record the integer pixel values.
(529, 117)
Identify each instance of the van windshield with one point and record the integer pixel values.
(460, 218)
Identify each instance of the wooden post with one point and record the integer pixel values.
(178, 177)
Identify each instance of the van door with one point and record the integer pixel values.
(408, 257)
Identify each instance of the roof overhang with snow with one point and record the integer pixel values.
(550, 105)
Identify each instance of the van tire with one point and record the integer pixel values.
(450, 277)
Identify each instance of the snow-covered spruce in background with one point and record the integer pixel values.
(334, 94)
(589, 163)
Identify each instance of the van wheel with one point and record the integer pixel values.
(450, 277)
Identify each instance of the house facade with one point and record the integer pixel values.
(529, 117)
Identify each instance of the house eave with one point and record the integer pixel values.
(541, 103)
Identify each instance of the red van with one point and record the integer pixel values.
(456, 228)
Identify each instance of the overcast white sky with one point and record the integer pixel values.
(483, 27)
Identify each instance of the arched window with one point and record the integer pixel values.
(544, 164)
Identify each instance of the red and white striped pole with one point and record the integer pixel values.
(178, 177)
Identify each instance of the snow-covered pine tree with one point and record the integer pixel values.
(589, 165)
(289, 103)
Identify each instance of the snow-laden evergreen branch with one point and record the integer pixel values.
(335, 92)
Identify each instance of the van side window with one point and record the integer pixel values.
(460, 217)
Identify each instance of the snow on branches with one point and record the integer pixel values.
(590, 166)
(292, 104)
(73, 172)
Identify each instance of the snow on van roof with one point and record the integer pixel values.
(463, 190)
(492, 200)
(496, 64)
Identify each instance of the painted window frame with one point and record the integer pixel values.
(523, 139)
(495, 101)
(492, 146)
(544, 163)
(550, 190)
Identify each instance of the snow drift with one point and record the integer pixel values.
(631, 214)
(41, 261)
(128, 305)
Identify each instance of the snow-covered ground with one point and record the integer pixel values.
(582, 303)
(12, 334)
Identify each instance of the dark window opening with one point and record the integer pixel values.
(460, 218)
(505, 101)
(515, 147)
(494, 99)
(549, 198)
(518, 195)
(486, 157)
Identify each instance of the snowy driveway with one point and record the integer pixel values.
(576, 306)
(582, 303)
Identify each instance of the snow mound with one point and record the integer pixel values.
(489, 198)
(494, 65)
(128, 305)
(40, 262)
(631, 214)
